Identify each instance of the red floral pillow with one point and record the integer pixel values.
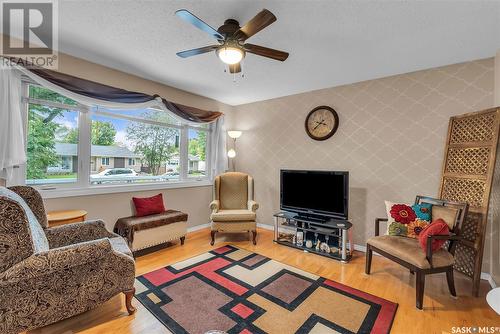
(402, 213)
(148, 205)
(437, 227)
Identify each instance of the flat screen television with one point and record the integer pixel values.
(315, 193)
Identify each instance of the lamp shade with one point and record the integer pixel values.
(234, 134)
(231, 153)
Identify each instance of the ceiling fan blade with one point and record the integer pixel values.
(197, 51)
(259, 22)
(266, 52)
(235, 68)
(187, 16)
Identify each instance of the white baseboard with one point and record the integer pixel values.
(266, 226)
(359, 248)
(490, 280)
(198, 227)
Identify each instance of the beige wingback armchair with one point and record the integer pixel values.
(49, 274)
(233, 207)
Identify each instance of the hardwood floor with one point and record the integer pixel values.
(388, 280)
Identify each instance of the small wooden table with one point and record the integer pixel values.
(57, 218)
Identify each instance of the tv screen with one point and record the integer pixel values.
(322, 193)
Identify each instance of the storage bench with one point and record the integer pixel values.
(148, 231)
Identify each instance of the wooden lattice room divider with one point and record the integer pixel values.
(469, 163)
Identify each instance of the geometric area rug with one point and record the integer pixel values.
(236, 291)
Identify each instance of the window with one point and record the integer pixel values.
(75, 146)
(197, 149)
(149, 136)
(52, 143)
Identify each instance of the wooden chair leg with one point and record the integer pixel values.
(254, 237)
(420, 286)
(182, 240)
(368, 261)
(129, 294)
(451, 282)
(212, 234)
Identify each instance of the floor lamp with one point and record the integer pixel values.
(235, 134)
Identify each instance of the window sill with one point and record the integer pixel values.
(112, 189)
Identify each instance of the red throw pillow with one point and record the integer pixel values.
(149, 205)
(437, 227)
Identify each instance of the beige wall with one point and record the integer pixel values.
(105, 75)
(110, 207)
(391, 136)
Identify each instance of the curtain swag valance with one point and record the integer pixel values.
(101, 92)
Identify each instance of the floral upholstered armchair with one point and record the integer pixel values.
(49, 274)
(233, 207)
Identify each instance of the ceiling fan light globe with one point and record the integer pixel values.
(230, 55)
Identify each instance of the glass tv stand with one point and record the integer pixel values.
(323, 237)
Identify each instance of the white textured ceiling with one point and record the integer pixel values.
(330, 42)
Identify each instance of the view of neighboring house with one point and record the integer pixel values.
(102, 157)
(194, 164)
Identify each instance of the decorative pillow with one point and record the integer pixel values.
(449, 215)
(407, 221)
(148, 205)
(437, 227)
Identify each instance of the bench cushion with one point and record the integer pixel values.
(408, 250)
(151, 221)
(128, 225)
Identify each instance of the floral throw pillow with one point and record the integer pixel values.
(407, 220)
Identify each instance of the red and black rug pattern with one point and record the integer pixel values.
(236, 291)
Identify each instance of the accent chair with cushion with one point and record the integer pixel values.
(233, 207)
(49, 274)
(409, 253)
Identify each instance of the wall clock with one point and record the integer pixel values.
(322, 122)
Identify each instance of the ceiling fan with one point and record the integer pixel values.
(231, 37)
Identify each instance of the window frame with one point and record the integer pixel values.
(83, 184)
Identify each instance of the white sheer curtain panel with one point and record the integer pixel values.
(218, 153)
(12, 137)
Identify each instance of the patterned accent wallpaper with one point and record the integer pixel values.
(391, 136)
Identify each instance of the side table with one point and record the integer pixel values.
(57, 218)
